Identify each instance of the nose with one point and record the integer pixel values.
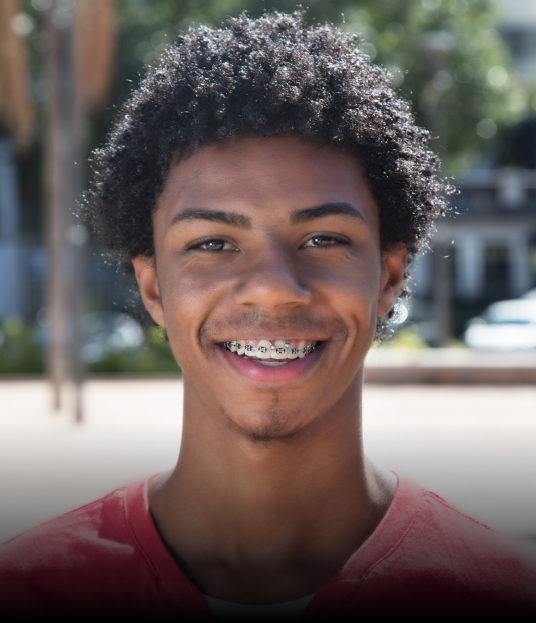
(272, 281)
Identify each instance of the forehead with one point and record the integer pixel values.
(267, 177)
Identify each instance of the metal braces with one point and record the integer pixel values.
(262, 349)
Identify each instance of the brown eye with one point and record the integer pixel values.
(213, 245)
(322, 241)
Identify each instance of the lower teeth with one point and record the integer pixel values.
(272, 364)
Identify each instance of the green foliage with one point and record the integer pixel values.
(448, 59)
(19, 351)
(408, 337)
(152, 358)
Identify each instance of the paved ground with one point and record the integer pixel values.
(475, 446)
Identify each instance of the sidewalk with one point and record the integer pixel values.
(474, 445)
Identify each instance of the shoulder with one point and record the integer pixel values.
(100, 523)
(72, 554)
(457, 559)
(427, 553)
(466, 543)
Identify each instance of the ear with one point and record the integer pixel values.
(393, 268)
(145, 270)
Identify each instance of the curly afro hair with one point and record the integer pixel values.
(264, 77)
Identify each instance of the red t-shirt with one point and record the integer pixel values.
(423, 558)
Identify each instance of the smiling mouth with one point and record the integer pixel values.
(271, 353)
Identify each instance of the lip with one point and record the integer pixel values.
(273, 376)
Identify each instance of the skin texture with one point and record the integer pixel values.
(272, 491)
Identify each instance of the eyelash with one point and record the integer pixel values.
(335, 239)
(199, 245)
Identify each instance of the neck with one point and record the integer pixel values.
(307, 501)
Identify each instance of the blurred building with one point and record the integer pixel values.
(491, 242)
(490, 245)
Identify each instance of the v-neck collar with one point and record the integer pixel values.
(189, 600)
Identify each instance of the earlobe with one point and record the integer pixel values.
(393, 268)
(145, 270)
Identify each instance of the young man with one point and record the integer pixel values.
(268, 190)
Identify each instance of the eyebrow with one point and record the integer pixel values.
(328, 209)
(215, 216)
(243, 222)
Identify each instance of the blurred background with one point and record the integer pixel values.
(443, 401)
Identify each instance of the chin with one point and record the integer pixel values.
(267, 426)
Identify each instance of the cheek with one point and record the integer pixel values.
(354, 287)
(188, 298)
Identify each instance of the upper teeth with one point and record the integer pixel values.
(279, 349)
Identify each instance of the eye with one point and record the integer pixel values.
(214, 244)
(324, 241)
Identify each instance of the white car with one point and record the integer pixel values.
(531, 294)
(505, 325)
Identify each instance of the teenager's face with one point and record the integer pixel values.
(272, 239)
